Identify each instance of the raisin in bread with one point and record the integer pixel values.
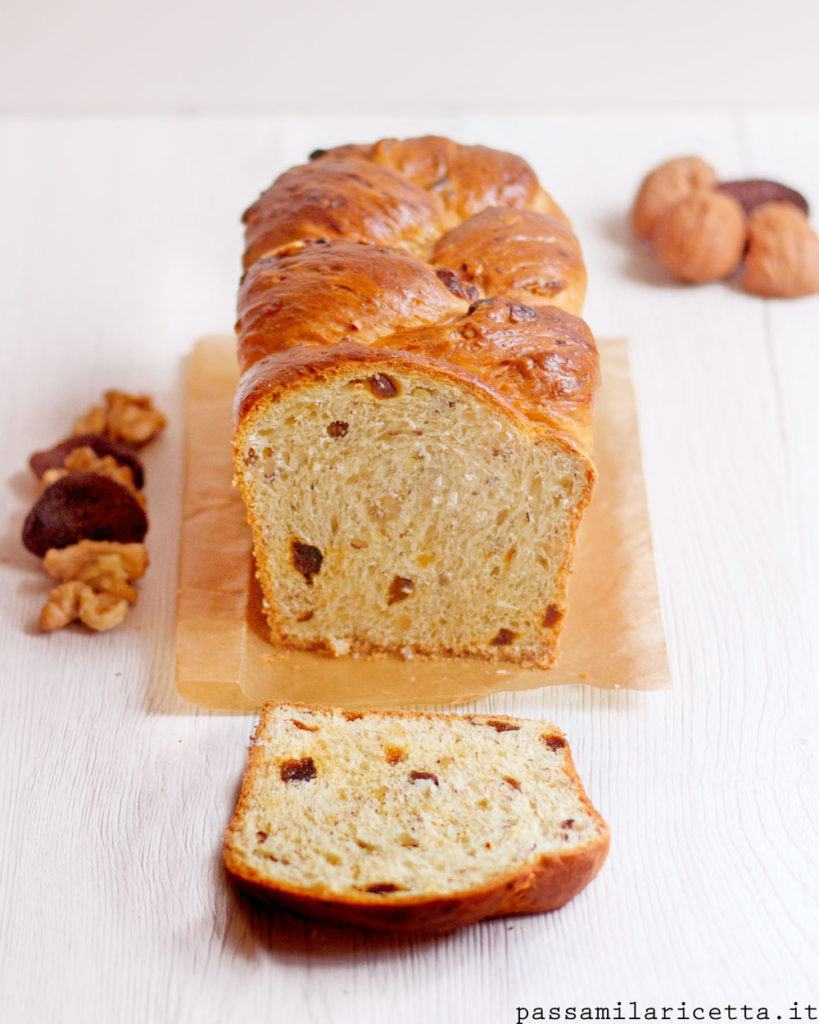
(413, 421)
(409, 821)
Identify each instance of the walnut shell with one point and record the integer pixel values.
(782, 260)
(702, 237)
(665, 186)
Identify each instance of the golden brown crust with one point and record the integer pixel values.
(307, 364)
(342, 198)
(540, 358)
(324, 293)
(467, 179)
(546, 883)
(523, 255)
(543, 360)
(338, 234)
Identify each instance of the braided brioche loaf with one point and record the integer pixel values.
(414, 413)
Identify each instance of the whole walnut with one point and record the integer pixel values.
(667, 185)
(702, 237)
(782, 260)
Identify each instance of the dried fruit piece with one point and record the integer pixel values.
(519, 313)
(298, 770)
(306, 558)
(83, 506)
(101, 445)
(665, 186)
(400, 589)
(702, 237)
(303, 726)
(500, 726)
(450, 280)
(552, 616)
(502, 638)
(382, 386)
(755, 191)
(423, 777)
(782, 260)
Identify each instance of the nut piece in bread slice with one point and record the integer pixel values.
(408, 821)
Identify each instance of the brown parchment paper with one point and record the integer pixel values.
(613, 636)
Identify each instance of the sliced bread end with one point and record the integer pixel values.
(410, 821)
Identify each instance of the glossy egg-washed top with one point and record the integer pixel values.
(426, 247)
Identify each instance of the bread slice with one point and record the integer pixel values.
(401, 506)
(409, 821)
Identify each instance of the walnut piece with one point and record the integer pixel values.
(77, 600)
(67, 563)
(93, 422)
(124, 417)
(90, 517)
(95, 583)
(85, 459)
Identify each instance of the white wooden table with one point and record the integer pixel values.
(120, 244)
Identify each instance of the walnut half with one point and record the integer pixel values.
(95, 585)
(77, 600)
(124, 417)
